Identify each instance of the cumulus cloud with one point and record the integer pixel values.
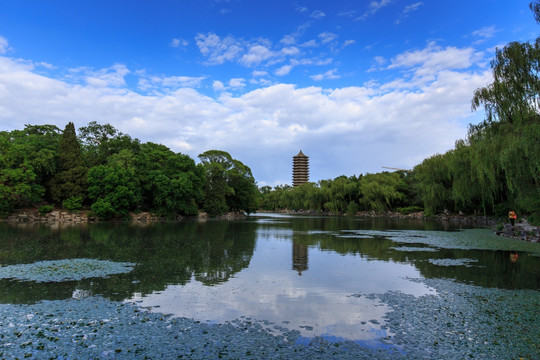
(434, 58)
(256, 54)
(113, 76)
(218, 50)
(218, 86)
(399, 122)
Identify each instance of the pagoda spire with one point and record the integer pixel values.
(300, 169)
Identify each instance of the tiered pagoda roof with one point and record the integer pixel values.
(300, 169)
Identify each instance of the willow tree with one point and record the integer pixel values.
(507, 142)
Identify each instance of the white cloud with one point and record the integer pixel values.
(258, 73)
(413, 7)
(408, 10)
(317, 14)
(288, 40)
(414, 115)
(484, 33)
(310, 43)
(113, 76)
(4, 45)
(218, 50)
(433, 59)
(178, 43)
(327, 37)
(374, 6)
(218, 86)
(237, 83)
(256, 55)
(166, 83)
(284, 70)
(330, 74)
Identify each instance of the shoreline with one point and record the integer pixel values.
(522, 230)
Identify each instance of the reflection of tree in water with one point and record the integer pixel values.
(167, 253)
(492, 268)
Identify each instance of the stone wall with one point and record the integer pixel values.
(56, 216)
(60, 216)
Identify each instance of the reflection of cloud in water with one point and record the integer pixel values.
(320, 302)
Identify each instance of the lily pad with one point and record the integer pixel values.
(64, 270)
(453, 262)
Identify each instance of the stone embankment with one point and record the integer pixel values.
(56, 216)
(66, 217)
(521, 230)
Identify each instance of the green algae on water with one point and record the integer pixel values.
(64, 270)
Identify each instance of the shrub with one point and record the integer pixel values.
(73, 203)
(102, 209)
(409, 209)
(45, 209)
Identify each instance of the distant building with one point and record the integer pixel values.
(300, 173)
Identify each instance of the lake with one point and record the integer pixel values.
(318, 286)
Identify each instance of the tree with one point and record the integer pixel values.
(69, 180)
(113, 187)
(433, 181)
(27, 163)
(509, 137)
(101, 141)
(171, 183)
(381, 191)
(229, 184)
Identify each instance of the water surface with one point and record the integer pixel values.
(321, 276)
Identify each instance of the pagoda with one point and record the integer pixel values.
(300, 169)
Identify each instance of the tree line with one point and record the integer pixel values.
(113, 174)
(494, 169)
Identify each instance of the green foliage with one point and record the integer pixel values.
(27, 161)
(70, 178)
(103, 209)
(433, 183)
(229, 184)
(114, 186)
(380, 192)
(409, 209)
(99, 142)
(45, 209)
(73, 203)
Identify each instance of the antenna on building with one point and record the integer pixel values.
(396, 169)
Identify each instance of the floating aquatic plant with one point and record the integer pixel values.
(64, 270)
(453, 262)
(413, 248)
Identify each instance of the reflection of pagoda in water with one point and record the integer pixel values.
(300, 169)
(299, 257)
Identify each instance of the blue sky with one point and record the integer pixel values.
(356, 85)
